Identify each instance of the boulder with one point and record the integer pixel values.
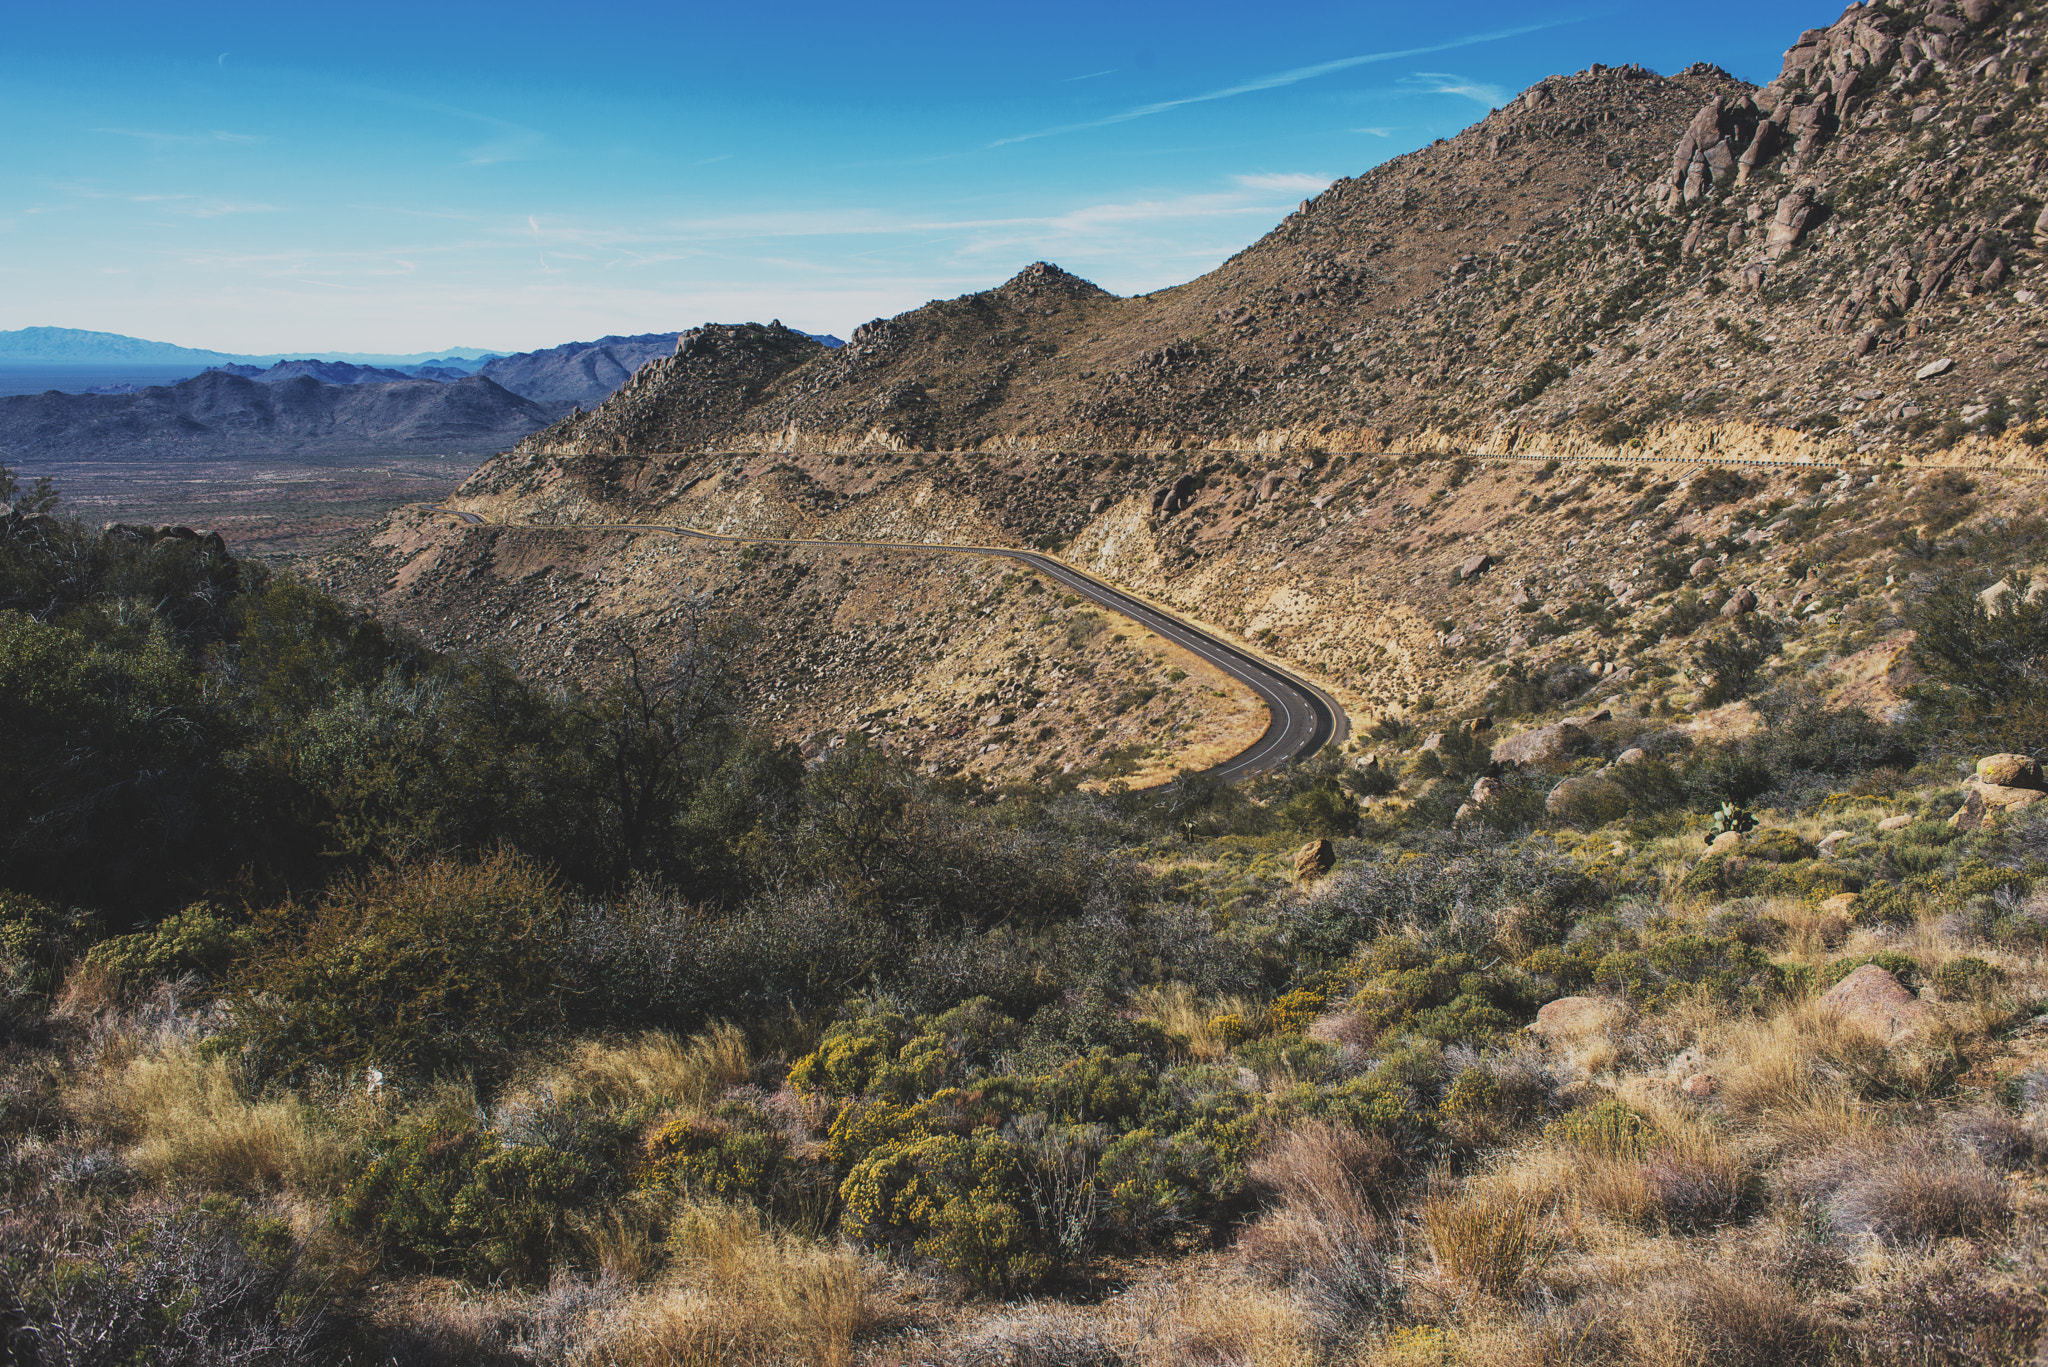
(1542, 745)
(1873, 1000)
(1574, 1017)
(1997, 798)
(1485, 790)
(1171, 498)
(1969, 816)
(1521, 600)
(1588, 798)
(2010, 771)
(1934, 368)
(1632, 755)
(1788, 225)
(1727, 842)
(1474, 566)
(1895, 823)
(1313, 860)
(1700, 1085)
(1706, 564)
(1739, 602)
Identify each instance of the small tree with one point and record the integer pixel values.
(1995, 656)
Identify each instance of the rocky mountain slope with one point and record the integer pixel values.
(1610, 253)
(217, 414)
(1662, 275)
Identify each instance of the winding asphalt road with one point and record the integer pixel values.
(1301, 718)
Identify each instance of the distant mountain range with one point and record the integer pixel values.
(76, 346)
(218, 414)
(311, 408)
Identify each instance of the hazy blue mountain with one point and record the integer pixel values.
(327, 372)
(78, 347)
(579, 372)
(220, 414)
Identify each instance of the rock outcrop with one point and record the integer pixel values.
(1873, 1000)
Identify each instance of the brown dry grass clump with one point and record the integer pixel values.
(741, 1292)
(658, 1066)
(189, 1119)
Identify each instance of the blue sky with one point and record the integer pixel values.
(386, 178)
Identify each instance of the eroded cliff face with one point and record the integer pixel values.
(1483, 409)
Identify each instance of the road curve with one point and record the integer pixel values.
(1301, 718)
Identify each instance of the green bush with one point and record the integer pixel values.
(415, 971)
(199, 939)
(1777, 847)
(37, 941)
(443, 1194)
(959, 1200)
(1968, 979)
(1610, 1128)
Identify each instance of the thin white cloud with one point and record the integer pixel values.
(512, 141)
(157, 137)
(1376, 132)
(1448, 83)
(1110, 71)
(197, 207)
(1304, 182)
(1285, 78)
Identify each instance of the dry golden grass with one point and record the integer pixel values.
(661, 1067)
(621, 1241)
(1198, 1316)
(189, 1119)
(1187, 1018)
(741, 1292)
(1488, 1236)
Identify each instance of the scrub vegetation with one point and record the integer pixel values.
(360, 1002)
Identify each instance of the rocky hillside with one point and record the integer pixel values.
(1611, 253)
(1655, 276)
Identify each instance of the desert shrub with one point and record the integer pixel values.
(737, 1154)
(1777, 846)
(1968, 979)
(184, 1287)
(443, 1193)
(199, 939)
(1733, 657)
(1589, 802)
(1662, 963)
(1995, 658)
(413, 970)
(1445, 998)
(958, 1200)
(37, 941)
(1460, 891)
(1911, 1190)
(1951, 1313)
(1325, 810)
(1650, 785)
